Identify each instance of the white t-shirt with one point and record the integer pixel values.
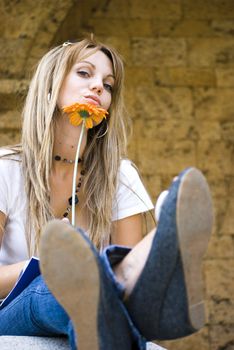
(131, 198)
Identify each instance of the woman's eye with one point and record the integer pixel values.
(83, 73)
(108, 87)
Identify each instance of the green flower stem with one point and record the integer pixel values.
(75, 175)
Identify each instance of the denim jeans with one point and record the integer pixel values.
(35, 312)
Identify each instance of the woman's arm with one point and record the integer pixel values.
(8, 273)
(127, 231)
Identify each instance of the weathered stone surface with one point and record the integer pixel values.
(171, 157)
(208, 9)
(209, 130)
(219, 278)
(120, 27)
(111, 9)
(159, 52)
(214, 104)
(223, 27)
(182, 28)
(222, 337)
(9, 138)
(221, 310)
(122, 45)
(179, 57)
(197, 341)
(228, 221)
(163, 103)
(12, 93)
(138, 76)
(225, 77)
(184, 76)
(13, 86)
(211, 52)
(215, 157)
(10, 120)
(154, 186)
(156, 9)
(221, 246)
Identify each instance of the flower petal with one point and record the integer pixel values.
(75, 119)
(88, 123)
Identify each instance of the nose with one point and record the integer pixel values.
(97, 86)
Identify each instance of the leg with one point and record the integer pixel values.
(35, 312)
(130, 266)
(76, 274)
(166, 302)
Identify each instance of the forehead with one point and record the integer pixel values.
(99, 59)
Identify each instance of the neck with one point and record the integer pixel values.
(66, 139)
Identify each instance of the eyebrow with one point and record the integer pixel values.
(93, 66)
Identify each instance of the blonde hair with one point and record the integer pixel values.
(102, 155)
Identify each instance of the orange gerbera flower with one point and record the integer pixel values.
(91, 114)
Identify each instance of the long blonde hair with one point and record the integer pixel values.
(102, 155)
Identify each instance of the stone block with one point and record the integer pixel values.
(209, 130)
(160, 157)
(211, 52)
(9, 138)
(154, 185)
(17, 48)
(221, 310)
(219, 274)
(214, 104)
(225, 77)
(223, 28)
(155, 130)
(221, 246)
(10, 120)
(109, 9)
(227, 227)
(216, 157)
(164, 104)
(184, 76)
(122, 45)
(120, 27)
(208, 9)
(138, 76)
(220, 208)
(196, 341)
(13, 86)
(182, 28)
(159, 52)
(156, 9)
(221, 337)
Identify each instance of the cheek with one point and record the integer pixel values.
(108, 101)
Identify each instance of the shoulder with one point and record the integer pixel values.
(10, 162)
(128, 170)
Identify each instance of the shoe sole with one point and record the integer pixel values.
(71, 273)
(194, 225)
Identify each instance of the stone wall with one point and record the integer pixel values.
(179, 58)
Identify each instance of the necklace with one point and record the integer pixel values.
(65, 160)
(76, 196)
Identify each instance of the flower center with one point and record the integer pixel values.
(83, 113)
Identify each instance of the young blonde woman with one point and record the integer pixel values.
(103, 296)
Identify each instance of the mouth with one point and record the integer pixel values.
(93, 100)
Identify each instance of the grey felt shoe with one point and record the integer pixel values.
(75, 274)
(167, 300)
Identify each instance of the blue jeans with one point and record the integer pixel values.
(35, 312)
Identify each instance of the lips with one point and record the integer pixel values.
(93, 99)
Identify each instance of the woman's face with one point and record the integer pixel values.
(89, 81)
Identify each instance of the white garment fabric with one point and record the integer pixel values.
(131, 198)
